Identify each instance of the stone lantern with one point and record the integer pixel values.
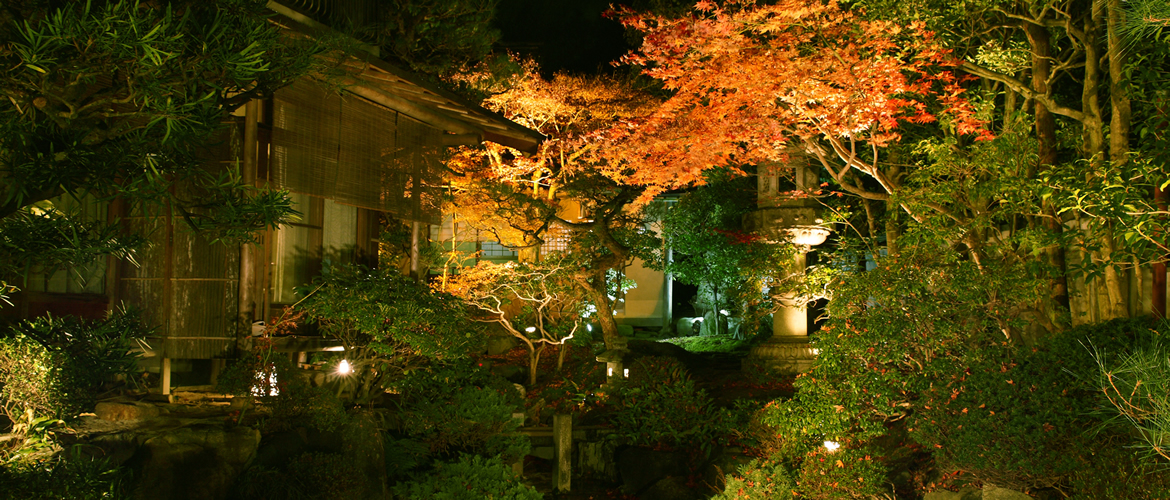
(794, 220)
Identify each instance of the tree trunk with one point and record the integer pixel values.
(1041, 48)
(1118, 300)
(562, 350)
(533, 362)
(1093, 126)
(1094, 146)
(1118, 95)
(892, 229)
(1119, 121)
(1158, 293)
(600, 295)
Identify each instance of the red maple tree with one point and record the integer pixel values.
(754, 83)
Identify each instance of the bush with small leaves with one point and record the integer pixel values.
(65, 475)
(55, 366)
(758, 480)
(471, 477)
(1029, 417)
(317, 476)
(270, 377)
(660, 407)
(459, 408)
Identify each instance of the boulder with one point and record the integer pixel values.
(121, 412)
(671, 488)
(962, 494)
(992, 492)
(499, 344)
(199, 461)
(640, 468)
(277, 448)
(686, 327)
(595, 460)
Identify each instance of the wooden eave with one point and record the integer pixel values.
(385, 84)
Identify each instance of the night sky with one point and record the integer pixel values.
(563, 35)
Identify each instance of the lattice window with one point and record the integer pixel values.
(556, 239)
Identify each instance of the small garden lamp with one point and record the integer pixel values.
(614, 368)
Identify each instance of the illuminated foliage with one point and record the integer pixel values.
(55, 366)
(537, 303)
(754, 83)
(388, 323)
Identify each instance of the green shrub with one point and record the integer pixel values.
(71, 476)
(1023, 417)
(844, 473)
(1137, 386)
(471, 477)
(758, 480)
(660, 407)
(1116, 471)
(388, 323)
(55, 366)
(470, 419)
(461, 408)
(309, 476)
(273, 379)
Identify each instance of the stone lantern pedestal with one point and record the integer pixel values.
(792, 221)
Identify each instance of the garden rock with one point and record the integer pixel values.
(277, 448)
(992, 492)
(595, 460)
(199, 461)
(685, 327)
(121, 412)
(640, 468)
(116, 448)
(499, 344)
(670, 488)
(962, 494)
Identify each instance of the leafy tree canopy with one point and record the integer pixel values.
(117, 99)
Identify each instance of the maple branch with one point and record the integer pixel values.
(1024, 90)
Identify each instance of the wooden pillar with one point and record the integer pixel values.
(246, 303)
(415, 215)
(668, 297)
(562, 452)
(216, 367)
(165, 371)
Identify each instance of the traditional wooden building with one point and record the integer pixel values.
(347, 157)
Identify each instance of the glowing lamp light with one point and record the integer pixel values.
(343, 368)
(807, 235)
(609, 372)
(832, 446)
(530, 329)
(626, 373)
(266, 387)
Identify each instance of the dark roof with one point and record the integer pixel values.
(408, 93)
